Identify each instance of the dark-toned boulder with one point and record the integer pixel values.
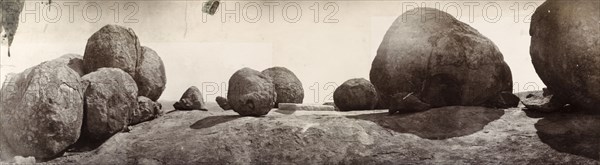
(435, 56)
(147, 110)
(41, 111)
(504, 100)
(565, 50)
(112, 46)
(287, 85)
(223, 103)
(74, 61)
(355, 94)
(251, 93)
(191, 99)
(150, 74)
(407, 102)
(110, 98)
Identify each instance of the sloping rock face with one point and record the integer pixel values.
(565, 50)
(444, 61)
(465, 135)
(287, 85)
(110, 99)
(251, 93)
(150, 75)
(41, 111)
(112, 46)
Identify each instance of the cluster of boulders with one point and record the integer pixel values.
(254, 93)
(47, 108)
(427, 60)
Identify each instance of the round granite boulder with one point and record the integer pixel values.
(287, 85)
(150, 75)
(565, 50)
(41, 111)
(112, 46)
(355, 94)
(251, 93)
(445, 62)
(110, 99)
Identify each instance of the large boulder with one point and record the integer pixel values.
(251, 93)
(565, 50)
(41, 111)
(110, 98)
(444, 61)
(112, 46)
(150, 75)
(147, 110)
(355, 94)
(191, 99)
(287, 85)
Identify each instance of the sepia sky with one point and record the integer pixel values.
(323, 42)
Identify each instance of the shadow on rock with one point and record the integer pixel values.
(437, 123)
(212, 121)
(574, 133)
(285, 112)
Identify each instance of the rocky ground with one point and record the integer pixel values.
(471, 135)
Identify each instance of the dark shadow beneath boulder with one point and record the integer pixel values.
(285, 112)
(574, 133)
(212, 121)
(437, 123)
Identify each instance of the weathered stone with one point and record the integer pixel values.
(565, 50)
(191, 99)
(444, 61)
(74, 61)
(41, 111)
(287, 85)
(407, 102)
(110, 99)
(471, 135)
(147, 110)
(305, 107)
(223, 103)
(251, 93)
(150, 74)
(547, 103)
(504, 100)
(112, 46)
(355, 94)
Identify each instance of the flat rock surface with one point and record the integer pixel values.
(471, 135)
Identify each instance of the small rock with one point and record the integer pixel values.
(251, 93)
(147, 110)
(150, 75)
(191, 100)
(548, 103)
(223, 103)
(287, 85)
(111, 98)
(112, 46)
(403, 102)
(355, 94)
